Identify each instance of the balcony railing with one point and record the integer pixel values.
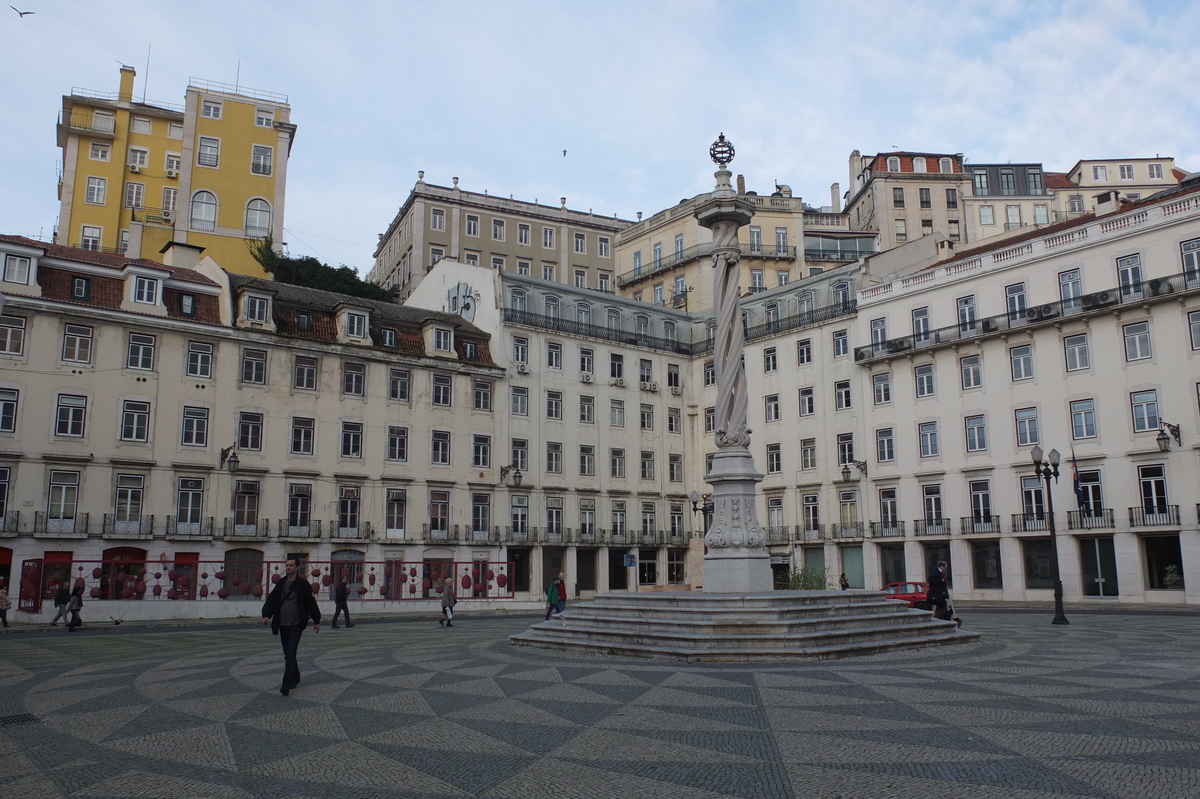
(44, 525)
(560, 325)
(841, 256)
(1034, 315)
(519, 535)
(187, 529)
(141, 527)
(810, 532)
(1030, 523)
(1160, 516)
(843, 530)
(10, 522)
(312, 530)
(1090, 519)
(797, 321)
(359, 532)
(87, 123)
(927, 528)
(980, 525)
(671, 260)
(231, 528)
(675, 538)
(777, 535)
(447, 532)
(892, 529)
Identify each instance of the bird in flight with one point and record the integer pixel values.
(21, 13)
(564, 153)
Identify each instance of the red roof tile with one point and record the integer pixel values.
(112, 260)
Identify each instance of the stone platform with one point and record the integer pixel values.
(780, 625)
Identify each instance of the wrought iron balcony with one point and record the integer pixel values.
(929, 528)
(10, 522)
(231, 528)
(980, 525)
(798, 321)
(891, 529)
(672, 260)
(777, 535)
(1098, 518)
(810, 532)
(559, 325)
(447, 532)
(139, 527)
(483, 535)
(676, 538)
(309, 531)
(843, 530)
(189, 529)
(1030, 523)
(840, 256)
(1158, 516)
(518, 535)
(103, 127)
(44, 525)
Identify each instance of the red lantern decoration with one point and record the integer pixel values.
(316, 572)
(362, 589)
(466, 581)
(172, 594)
(412, 588)
(315, 587)
(475, 573)
(223, 592)
(427, 583)
(274, 579)
(246, 589)
(126, 593)
(140, 588)
(203, 592)
(184, 581)
(501, 580)
(96, 572)
(412, 572)
(258, 591)
(403, 577)
(237, 579)
(157, 591)
(203, 575)
(491, 575)
(478, 588)
(258, 576)
(325, 581)
(387, 570)
(371, 578)
(220, 575)
(158, 576)
(95, 592)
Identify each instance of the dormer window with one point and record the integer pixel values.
(257, 308)
(81, 288)
(304, 321)
(145, 290)
(356, 325)
(470, 351)
(16, 269)
(187, 304)
(442, 339)
(389, 337)
(893, 164)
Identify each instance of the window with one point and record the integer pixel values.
(199, 359)
(12, 335)
(254, 366)
(208, 153)
(439, 453)
(976, 429)
(893, 164)
(645, 370)
(398, 385)
(1076, 350)
(1027, 427)
(647, 465)
(1126, 171)
(1075, 204)
(1153, 484)
(304, 374)
(90, 238)
(100, 151)
(770, 360)
(710, 420)
(1129, 274)
(497, 230)
(173, 162)
(616, 365)
(587, 461)
(437, 219)
(602, 246)
(135, 420)
(920, 325)
(97, 191)
(520, 401)
(885, 445)
(141, 351)
(1041, 214)
(523, 234)
(77, 344)
(981, 501)
(674, 420)
(841, 343)
(647, 417)
(481, 452)
(987, 215)
(264, 118)
(808, 453)
(771, 402)
(472, 225)
(352, 434)
(303, 435)
(258, 219)
(260, 160)
(616, 413)
(616, 462)
(774, 458)
(580, 244)
(1021, 359)
(1137, 341)
(952, 198)
(901, 228)
(803, 351)
(926, 227)
(1008, 182)
(257, 308)
(397, 443)
(354, 380)
(966, 313)
(710, 374)
(435, 254)
(587, 361)
(187, 304)
(807, 398)
(882, 384)
(443, 391)
(845, 448)
(1193, 326)
(1083, 419)
(483, 396)
(553, 457)
(926, 197)
(554, 405)
(145, 290)
(841, 394)
(972, 371)
(1145, 411)
(554, 355)
(64, 493)
(924, 378)
(980, 182)
(195, 427)
(548, 238)
(250, 430)
(927, 433)
(135, 195)
(1015, 301)
(16, 269)
(210, 109)
(1156, 171)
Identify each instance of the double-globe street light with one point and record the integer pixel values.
(1046, 469)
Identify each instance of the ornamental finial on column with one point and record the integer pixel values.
(721, 151)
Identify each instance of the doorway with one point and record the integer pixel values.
(1098, 562)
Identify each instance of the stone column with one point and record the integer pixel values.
(737, 561)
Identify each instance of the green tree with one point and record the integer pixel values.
(313, 274)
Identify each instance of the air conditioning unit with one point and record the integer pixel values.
(897, 345)
(1100, 299)
(1035, 313)
(172, 173)
(654, 386)
(645, 386)
(676, 390)
(134, 168)
(1160, 286)
(620, 382)
(586, 377)
(990, 325)
(523, 368)
(168, 216)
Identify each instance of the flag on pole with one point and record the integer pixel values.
(1075, 482)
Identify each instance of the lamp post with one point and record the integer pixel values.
(860, 465)
(1046, 469)
(1163, 440)
(516, 474)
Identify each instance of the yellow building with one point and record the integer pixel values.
(210, 173)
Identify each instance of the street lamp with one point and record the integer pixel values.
(1164, 443)
(860, 465)
(701, 504)
(229, 460)
(516, 474)
(1046, 469)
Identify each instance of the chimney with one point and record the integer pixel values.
(176, 253)
(741, 184)
(126, 93)
(835, 198)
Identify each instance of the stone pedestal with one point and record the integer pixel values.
(737, 561)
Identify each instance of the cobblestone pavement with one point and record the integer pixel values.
(1106, 707)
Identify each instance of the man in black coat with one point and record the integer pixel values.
(938, 594)
(341, 593)
(288, 608)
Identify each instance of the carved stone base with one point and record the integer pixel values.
(737, 561)
(737, 570)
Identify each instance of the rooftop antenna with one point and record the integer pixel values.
(146, 77)
(237, 80)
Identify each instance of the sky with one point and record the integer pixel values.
(635, 92)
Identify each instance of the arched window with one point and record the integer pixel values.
(552, 307)
(583, 313)
(518, 300)
(946, 166)
(258, 219)
(841, 294)
(669, 331)
(613, 319)
(204, 211)
(710, 332)
(773, 313)
(805, 302)
(918, 165)
(893, 164)
(642, 325)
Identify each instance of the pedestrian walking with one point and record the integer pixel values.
(843, 581)
(75, 605)
(938, 593)
(61, 597)
(449, 600)
(552, 597)
(341, 593)
(5, 603)
(288, 608)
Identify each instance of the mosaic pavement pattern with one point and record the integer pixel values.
(1107, 707)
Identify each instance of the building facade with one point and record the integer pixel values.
(902, 196)
(137, 176)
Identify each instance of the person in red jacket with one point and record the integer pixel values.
(562, 593)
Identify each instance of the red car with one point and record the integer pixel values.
(912, 593)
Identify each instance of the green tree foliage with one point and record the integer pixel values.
(313, 274)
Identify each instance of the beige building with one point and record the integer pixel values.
(139, 175)
(558, 244)
(902, 196)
